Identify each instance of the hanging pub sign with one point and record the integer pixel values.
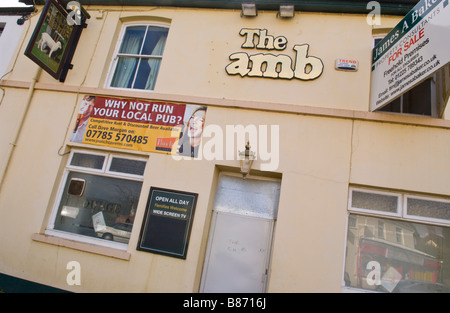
(412, 51)
(140, 125)
(167, 222)
(56, 36)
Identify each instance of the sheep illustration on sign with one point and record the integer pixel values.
(47, 43)
(55, 37)
(270, 65)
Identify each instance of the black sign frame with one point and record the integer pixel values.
(59, 65)
(167, 224)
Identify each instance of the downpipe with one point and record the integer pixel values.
(13, 144)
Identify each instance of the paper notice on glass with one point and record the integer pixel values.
(98, 221)
(390, 279)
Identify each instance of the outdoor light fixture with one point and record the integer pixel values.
(249, 10)
(286, 11)
(246, 158)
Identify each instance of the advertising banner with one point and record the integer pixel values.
(415, 49)
(140, 125)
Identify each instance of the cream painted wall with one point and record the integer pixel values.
(194, 64)
(401, 157)
(318, 156)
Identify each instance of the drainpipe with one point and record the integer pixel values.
(13, 144)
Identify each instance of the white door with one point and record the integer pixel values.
(238, 254)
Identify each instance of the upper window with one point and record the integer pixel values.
(98, 198)
(138, 57)
(427, 98)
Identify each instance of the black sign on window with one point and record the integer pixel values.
(167, 222)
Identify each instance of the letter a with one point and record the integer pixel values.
(373, 18)
(74, 276)
(373, 278)
(239, 64)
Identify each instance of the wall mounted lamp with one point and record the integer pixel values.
(246, 159)
(249, 10)
(286, 11)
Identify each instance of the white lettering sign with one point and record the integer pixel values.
(268, 65)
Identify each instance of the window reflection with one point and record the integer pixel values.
(105, 209)
(396, 256)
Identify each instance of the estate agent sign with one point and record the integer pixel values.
(415, 49)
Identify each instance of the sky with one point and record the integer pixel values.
(11, 3)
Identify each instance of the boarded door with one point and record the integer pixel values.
(238, 253)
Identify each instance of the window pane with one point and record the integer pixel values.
(105, 209)
(132, 40)
(127, 166)
(125, 71)
(147, 73)
(88, 160)
(428, 208)
(407, 257)
(374, 201)
(155, 41)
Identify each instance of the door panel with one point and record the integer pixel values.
(239, 254)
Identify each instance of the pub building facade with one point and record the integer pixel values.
(124, 126)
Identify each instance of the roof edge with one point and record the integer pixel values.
(16, 10)
(392, 7)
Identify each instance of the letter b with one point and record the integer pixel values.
(306, 67)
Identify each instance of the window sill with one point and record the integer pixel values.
(87, 247)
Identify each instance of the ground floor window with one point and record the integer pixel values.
(406, 250)
(98, 197)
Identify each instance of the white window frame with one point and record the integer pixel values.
(402, 216)
(82, 168)
(373, 191)
(121, 174)
(106, 173)
(377, 36)
(427, 220)
(115, 56)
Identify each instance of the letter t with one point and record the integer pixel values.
(249, 33)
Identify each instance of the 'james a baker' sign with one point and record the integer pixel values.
(415, 49)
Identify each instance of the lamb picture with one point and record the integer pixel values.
(47, 42)
(51, 37)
